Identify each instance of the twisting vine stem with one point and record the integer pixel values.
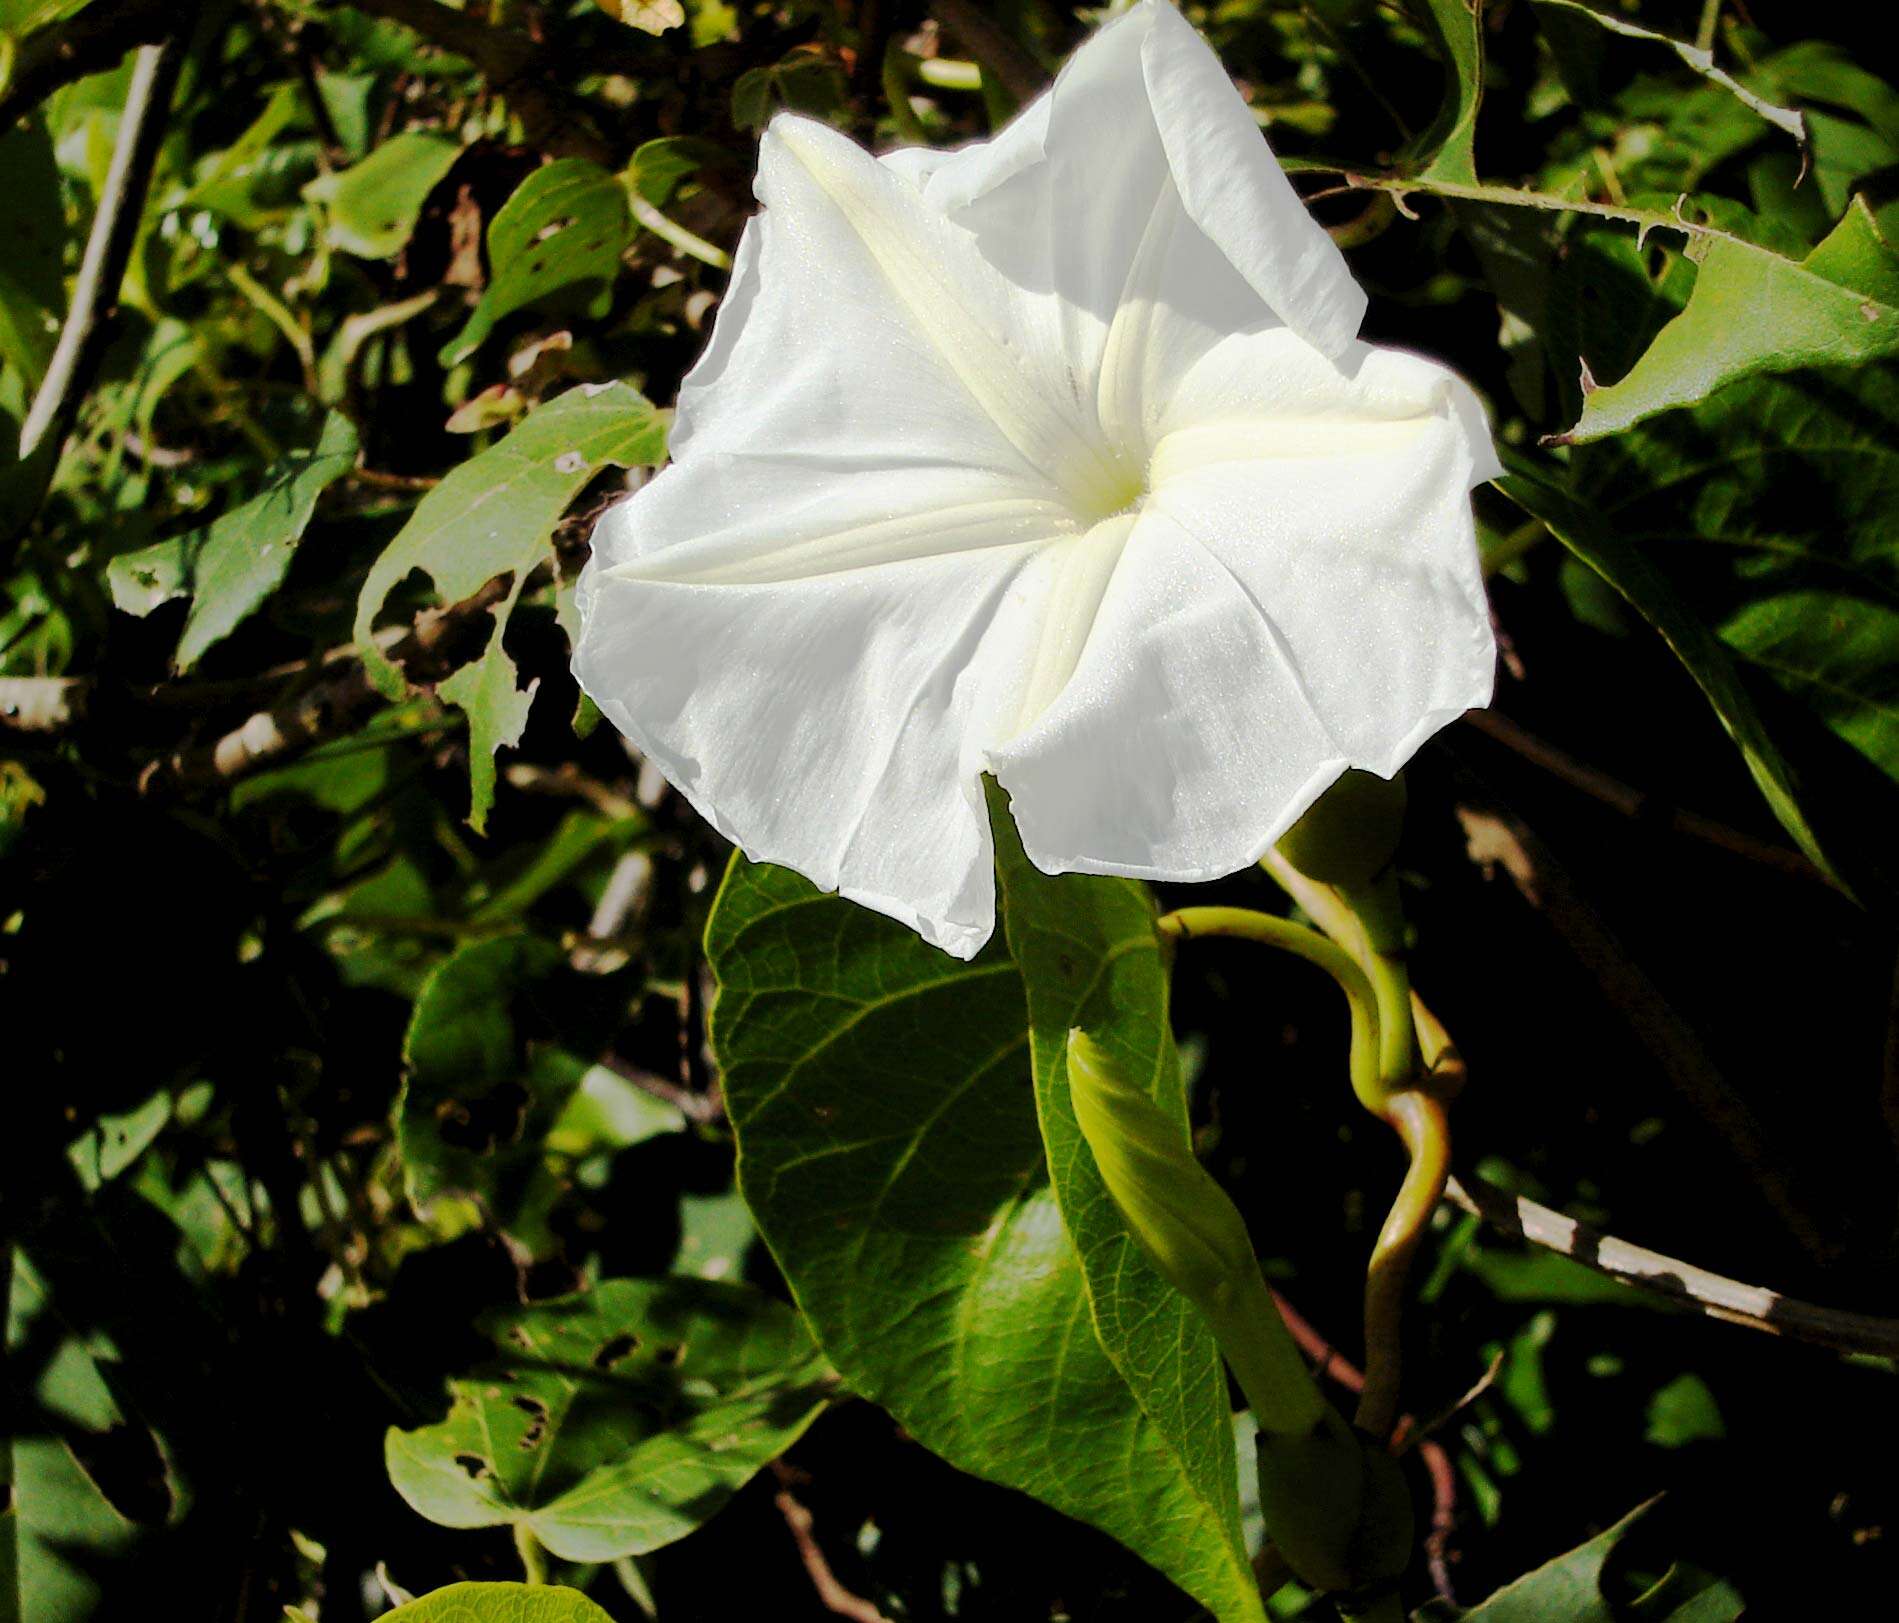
(1368, 923)
(1247, 925)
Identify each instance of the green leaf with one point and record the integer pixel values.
(659, 166)
(66, 1530)
(1697, 57)
(1598, 544)
(1770, 508)
(493, 516)
(234, 182)
(885, 1101)
(500, 1603)
(1752, 312)
(556, 242)
(1089, 956)
(374, 205)
(481, 1093)
(1447, 150)
(1572, 1588)
(1682, 1412)
(618, 1419)
(803, 82)
(229, 567)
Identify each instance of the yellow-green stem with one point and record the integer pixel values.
(533, 1557)
(1379, 910)
(1420, 1121)
(1245, 924)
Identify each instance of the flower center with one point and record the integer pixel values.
(1117, 485)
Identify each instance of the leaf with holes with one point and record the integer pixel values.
(885, 1101)
(555, 243)
(493, 1059)
(492, 516)
(618, 1419)
(229, 567)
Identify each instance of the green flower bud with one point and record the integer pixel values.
(1175, 1211)
(1191, 1231)
(1350, 832)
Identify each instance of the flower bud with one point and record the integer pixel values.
(1350, 832)
(1191, 1231)
(1174, 1210)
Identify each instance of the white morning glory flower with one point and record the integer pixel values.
(1054, 457)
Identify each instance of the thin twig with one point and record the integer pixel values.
(1754, 1307)
(695, 1107)
(330, 707)
(1498, 839)
(1638, 804)
(108, 249)
(831, 1594)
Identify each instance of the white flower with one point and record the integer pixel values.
(1054, 457)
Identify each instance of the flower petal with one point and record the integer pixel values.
(1362, 558)
(1167, 199)
(825, 723)
(1301, 593)
(1235, 191)
(1184, 743)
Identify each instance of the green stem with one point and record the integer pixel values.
(687, 242)
(1379, 909)
(1421, 1124)
(1247, 925)
(1271, 1370)
(1507, 196)
(533, 1557)
(898, 67)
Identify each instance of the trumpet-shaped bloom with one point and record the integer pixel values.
(1055, 457)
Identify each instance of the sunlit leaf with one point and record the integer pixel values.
(493, 516)
(616, 1420)
(1751, 312)
(231, 566)
(555, 243)
(373, 205)
(500, 1603)
(1446, 150)
(885, 1101)
(1697, 57)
